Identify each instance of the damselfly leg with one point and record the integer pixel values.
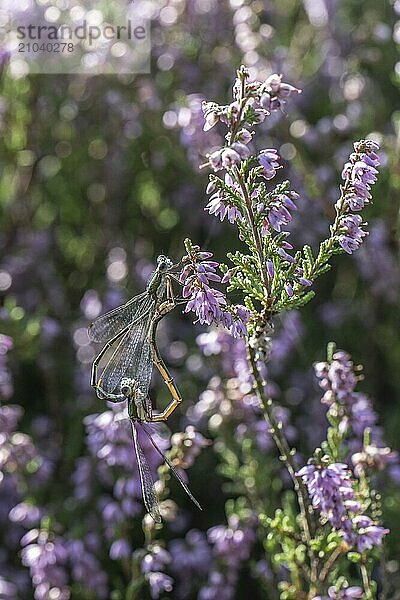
(163, 309)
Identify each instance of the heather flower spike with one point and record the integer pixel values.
(209, 304)
(242, 192)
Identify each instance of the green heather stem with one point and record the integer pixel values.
(256, 234)
(287, 457)
(327, 247)
(329, 564)
(266, 404)
(366, 582)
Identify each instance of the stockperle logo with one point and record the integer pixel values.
(44, 36)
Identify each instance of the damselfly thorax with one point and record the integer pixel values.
(139, 405)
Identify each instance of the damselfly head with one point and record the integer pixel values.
(164, 263)
(128, 387)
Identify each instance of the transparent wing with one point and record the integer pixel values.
(171, 466)
(146, 480)
(129, 356)
(107, 326)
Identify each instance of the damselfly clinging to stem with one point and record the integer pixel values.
(123, 368)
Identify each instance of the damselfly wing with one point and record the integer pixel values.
(128, 354)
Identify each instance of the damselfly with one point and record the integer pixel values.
(126, 363)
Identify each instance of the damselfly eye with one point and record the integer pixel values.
(164, 263)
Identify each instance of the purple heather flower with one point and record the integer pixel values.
(332, 493)
(275, 86)
(10, 414)
(355, 202)
(275, 92)
(230, 157)
(228, 275)
(348, 244)
(120, 549)
(283, 254)
(244, 136)
(270, 268)
(156, 559)
(304, 281)
(211, 186)
(218, 586)
(159, 582)
(352, 235)
(241, 149)
(8, 590)
(211, 119)
(238, 328)
(359, 174)
(373, 457)
(337, 377)
(219, 207)
(338, 380)
(215, 160)
(191, 554)
(152, 566)
(344, 593)
(278, 215)
(191, 557)
(289, 289)
(232, 544)
(85, 567)
(329, 488)
(269, 161)
(288, 201)
(368, 534)
(46, 558)
(207, 303)
(27, 514)
(362, 415)
(237, 322)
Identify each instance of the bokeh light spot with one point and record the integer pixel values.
(298, 128)
(287, 151)
(117, 270)
(97, 149)
(5, 280)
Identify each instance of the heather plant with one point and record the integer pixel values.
(273, 277)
